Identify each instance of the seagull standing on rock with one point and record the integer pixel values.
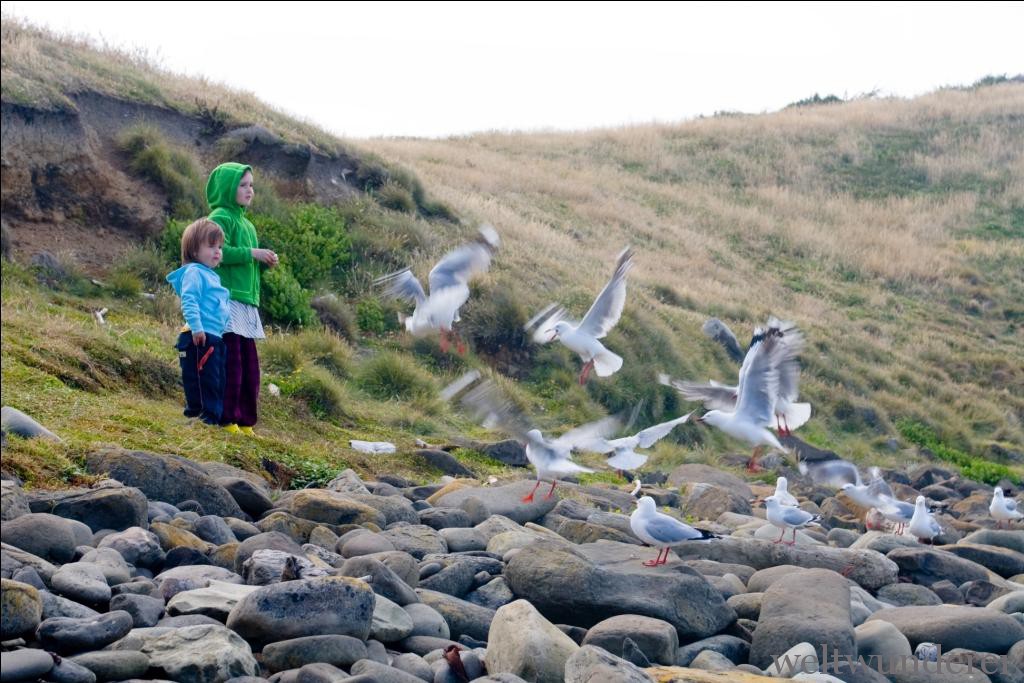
(1003, 509)
(583, 337)
(785, 518)
(661, 531)
(783, 495)
(922, 525)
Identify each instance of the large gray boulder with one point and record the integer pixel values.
(867, 567)
(168, 478)
(811, 606)
(305, 607)
(974, 628)
(501, 500)
(588, 584)
(927, 566)
(527, 645)
(115, 507)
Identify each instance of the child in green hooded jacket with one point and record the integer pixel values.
(229, 192)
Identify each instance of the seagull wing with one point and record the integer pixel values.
(714, 396)
(584, 435)
(459, 266)
(402, 285)
(607, 307)
(650, 436)
(668, 530)
(541, 327)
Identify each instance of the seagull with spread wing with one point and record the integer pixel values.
(583, 337)
(788, 414)
(551, 458)
(758, 393)
(449, 288)
(624, 455)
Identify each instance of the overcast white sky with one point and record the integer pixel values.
(434, 69)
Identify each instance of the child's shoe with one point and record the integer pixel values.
(232, 428)
(248, 431)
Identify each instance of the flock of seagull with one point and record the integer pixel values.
(764, 398)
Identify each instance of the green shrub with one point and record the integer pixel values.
(283, 300)
(313, 241)
(373, 318)
(974, 468)
(392, 376)
(169, 242)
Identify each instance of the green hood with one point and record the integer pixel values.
(222, 186)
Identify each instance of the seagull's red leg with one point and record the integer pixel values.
(752, 465)
(445, 344)
(553, 483)
(460, 345)
(785, 422)
(587, 367)
(779, 539)
(529, 498)
(655, 562)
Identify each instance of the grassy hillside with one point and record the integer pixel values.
(891, 231)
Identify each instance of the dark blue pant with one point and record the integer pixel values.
(202, 375)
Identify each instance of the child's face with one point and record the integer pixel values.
(245, 191)
(210, 255)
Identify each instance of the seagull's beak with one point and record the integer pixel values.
(554, 336)
(700, 420)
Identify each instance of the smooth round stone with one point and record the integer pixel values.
(427, 621)
(67, 671)
(145, 610)
(114, 665)
(413, 665)
(214, 529)
(76, 635)
(22, 608)
(25, 664)
(340, 651)
(82, 582)
(366, 544)
(111, 563)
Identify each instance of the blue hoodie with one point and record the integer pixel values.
(204, 302)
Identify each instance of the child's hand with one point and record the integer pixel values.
(199, 338)
(265, 256)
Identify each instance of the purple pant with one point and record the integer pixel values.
(241, 381)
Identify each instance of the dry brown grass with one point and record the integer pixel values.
(748, 212)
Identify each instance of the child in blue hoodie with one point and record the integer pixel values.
(204, 304)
